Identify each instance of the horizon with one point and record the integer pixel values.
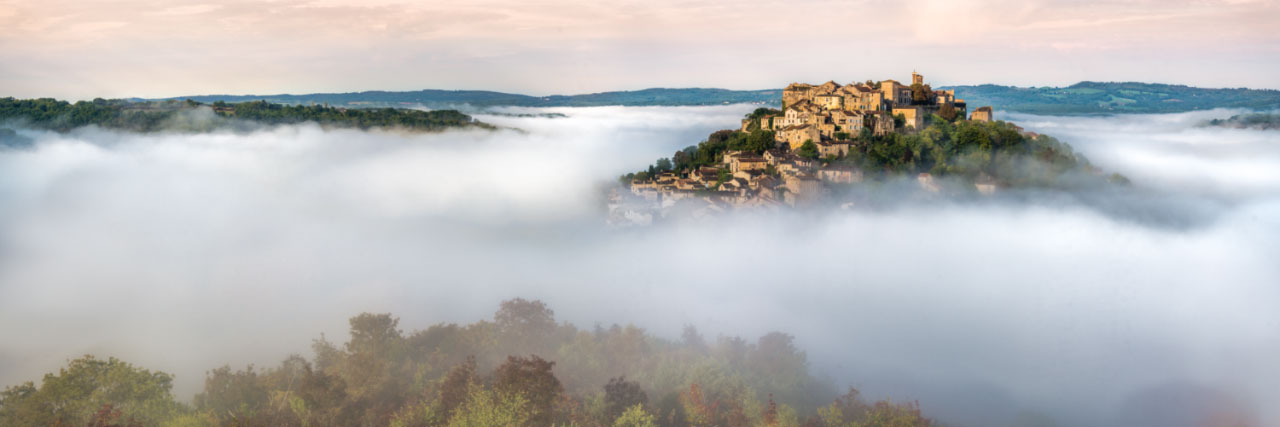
(638, 90)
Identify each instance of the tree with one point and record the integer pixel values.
(232, 395)
(486, 408)
(78, 393)
(620, 394)
(663, 165)
(531, 378)
(808, 150)
(635, 416)
(456, 386)
(948, 112)
(527, 326)
(922, 94)
(770, 415)
(682, 159)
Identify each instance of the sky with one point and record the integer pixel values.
(81, 49)
(1148, 305)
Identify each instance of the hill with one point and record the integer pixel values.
(433, 98)
(1080, 98)
(1113, 98)
(193, 116)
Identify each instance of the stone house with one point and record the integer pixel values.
(982, 114)
(747, 162)
(914, 116)
(840, 174)
(833, 148)
(802, 189)
(795, 136)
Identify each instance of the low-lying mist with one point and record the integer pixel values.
(1155, 304)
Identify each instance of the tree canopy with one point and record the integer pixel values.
(470, 375)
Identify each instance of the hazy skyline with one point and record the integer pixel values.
(86, 49)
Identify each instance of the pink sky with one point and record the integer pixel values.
(80, 49)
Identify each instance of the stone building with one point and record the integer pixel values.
(833, 148)
(982, 114)
(795, 136)
(914, 116)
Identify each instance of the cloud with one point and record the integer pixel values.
(182, 252)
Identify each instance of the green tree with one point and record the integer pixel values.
(491, 408)
(635, 416)
(86, 386)
(663, 165)
(808, 150)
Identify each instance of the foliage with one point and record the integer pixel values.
(460, 375)
(850, 410)
(948, 112)
(154, 116)
(635, 416)
(490, 408)
(620, 394)
(531, 378)
(808, 150)
(970, 150)
(91, 390)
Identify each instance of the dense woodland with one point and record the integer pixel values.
(520, 369)
(188, 115)
(954, 147)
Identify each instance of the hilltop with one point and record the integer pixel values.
(831, 140)
(1080, 98)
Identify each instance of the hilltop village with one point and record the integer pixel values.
(825, 137)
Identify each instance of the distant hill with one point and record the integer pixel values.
(1112, 98)
(433, 98)
(1080, 98)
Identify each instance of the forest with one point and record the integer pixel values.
(522, 368)
(174, 115)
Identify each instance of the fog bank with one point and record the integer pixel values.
(1151, 305)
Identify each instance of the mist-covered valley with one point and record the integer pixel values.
(1152, 304)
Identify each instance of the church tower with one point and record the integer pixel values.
(916, 78)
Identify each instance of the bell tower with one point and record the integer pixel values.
(916, 78)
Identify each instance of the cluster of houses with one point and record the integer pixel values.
(833, 113)
(829, 115)
(747, 179)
